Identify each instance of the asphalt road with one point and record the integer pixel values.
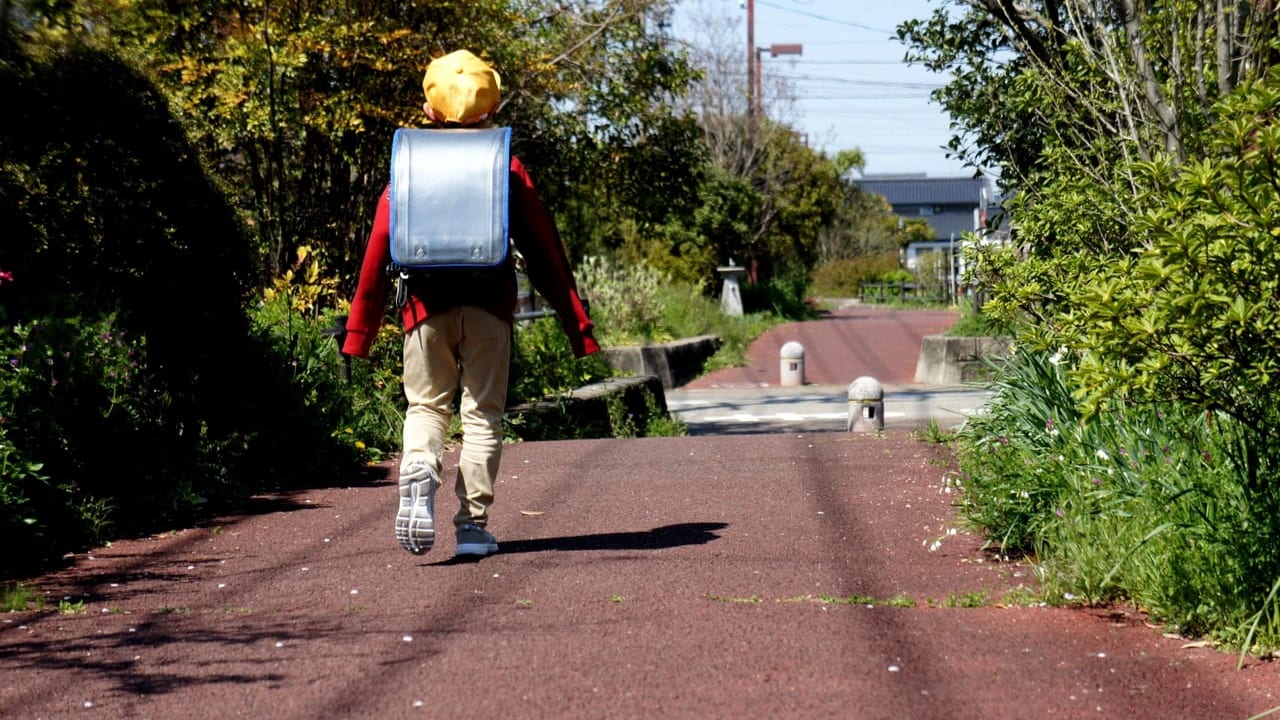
(850, 342)
(772, 574)
(816, 408)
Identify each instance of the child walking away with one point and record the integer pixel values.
(436, 226)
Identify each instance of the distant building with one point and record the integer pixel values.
(952, 206)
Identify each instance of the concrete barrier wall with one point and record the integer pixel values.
(946, 360)
(584, 413)
(673, 363)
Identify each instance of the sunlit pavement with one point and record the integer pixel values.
(817, 408)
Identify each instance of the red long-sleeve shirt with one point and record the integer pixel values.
(535, 237)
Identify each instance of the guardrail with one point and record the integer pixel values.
(903, 292)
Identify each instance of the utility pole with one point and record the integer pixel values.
(751, 75)
(755, 91)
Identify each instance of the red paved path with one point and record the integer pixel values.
(622, 590)
(703, 577)
(840, 347)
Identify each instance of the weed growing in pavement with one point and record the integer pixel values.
(15, 597)
(901, 600)
(933, 433)
(67, 606)
(1155, 504)
(1022, 597)
(754, 599)
(972, 599)
(168, 610)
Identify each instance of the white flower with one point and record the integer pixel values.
(1102, 455)
(1056, 358)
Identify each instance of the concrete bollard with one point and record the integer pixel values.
(792, 371)
(866, 405)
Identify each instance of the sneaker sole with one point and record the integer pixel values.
(415, 527)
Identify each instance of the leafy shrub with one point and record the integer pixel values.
(135, 393)
(783, 295)
(1139, 501)
(543, 365)
(844, 278)
(975, 323)
(624, 300)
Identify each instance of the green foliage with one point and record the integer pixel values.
(1004, 452)
(1193, 316)
(134, 392)
(16, 597)
(362, 414)
(543, 365)
(864, 226)
(624, 300)
(931, 275)
(784, 295)
(1141, 502)
(652, 422)
(973, 322)
(1144, 198)
(667, 310)
(844, 277)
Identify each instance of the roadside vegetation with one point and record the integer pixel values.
(1131, 448)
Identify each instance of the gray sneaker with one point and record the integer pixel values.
(475, 540)
(415, 520)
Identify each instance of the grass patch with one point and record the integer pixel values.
(973, 323)
(1153, 504)
(753, 600)
(16, 598)
(1021, 597)
(933, 433)
(169, 610)
(974, 599)
(901, 600)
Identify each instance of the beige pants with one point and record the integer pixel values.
(463, 348)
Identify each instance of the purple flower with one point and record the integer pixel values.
(1096, 481)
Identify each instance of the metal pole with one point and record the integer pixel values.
(951, 270)
(751, 74)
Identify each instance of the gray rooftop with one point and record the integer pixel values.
(926, 191)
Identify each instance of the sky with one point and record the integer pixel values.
(854, 91)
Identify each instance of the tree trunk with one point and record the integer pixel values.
(1223, 41)
(1147, 80)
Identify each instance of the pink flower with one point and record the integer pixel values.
(6, 275)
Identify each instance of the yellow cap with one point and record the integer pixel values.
(461, 88)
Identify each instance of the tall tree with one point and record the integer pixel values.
(788, 191)
(294, 103)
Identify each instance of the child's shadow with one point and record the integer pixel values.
(667, 536)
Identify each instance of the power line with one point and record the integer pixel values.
(801, 61)
(825, 18)
(854, 81)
